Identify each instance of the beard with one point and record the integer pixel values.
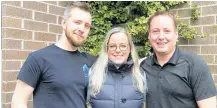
(74, 41)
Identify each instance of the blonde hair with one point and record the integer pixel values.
(97, 74)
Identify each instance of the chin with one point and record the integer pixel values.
(118, 61)
(161, 50)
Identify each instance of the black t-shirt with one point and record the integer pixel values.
(57, 76)
(180, 83)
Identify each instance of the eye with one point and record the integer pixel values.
(123, 47)
(87, 26)
(155, 31)
(77, 22)
(167, 31)
(112, 47)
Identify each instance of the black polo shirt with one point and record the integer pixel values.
(179, 83)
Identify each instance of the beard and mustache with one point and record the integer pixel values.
(75, 38)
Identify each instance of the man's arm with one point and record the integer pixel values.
(207, 103)
(21, 95)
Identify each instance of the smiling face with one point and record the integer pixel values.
(77, 26)
(118, 48)
(162, 34)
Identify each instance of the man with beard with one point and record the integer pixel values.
(56, 74)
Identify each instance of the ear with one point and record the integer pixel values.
(63, 23)
(148, 34)
(177, 35)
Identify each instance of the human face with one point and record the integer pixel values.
(163, 35)
(77, 27)
(120, 55)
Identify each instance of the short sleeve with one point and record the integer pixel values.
(201, 80)
(30, 72)
(90, 59)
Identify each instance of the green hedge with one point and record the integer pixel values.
(133, 16)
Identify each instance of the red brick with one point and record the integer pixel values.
(56, 10)
(14, 3)
(35, 6)
(16, 12)
(14, 55)
(11, 22)
(11, 44)
(37, 26)
(9, 76)
(3, 97)
(6, 105)
(45, 36)
(4, 88)
(213, 69)
(34, 45)
(11, 65)
(45, 17)
(55, 28)
(10, 86)
(8, 97)
(16, 33)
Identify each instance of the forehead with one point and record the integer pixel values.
(118, 38)
(79, 14)
(162, 21)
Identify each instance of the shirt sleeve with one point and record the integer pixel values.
(201, 80)
(30, 72)
(90, 59)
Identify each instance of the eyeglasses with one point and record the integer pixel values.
(122, 47)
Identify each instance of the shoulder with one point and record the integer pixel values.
(89, 57)
(43, 51)
(191, 58)
(142, 59)
(146, 60)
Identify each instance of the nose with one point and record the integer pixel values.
(118, 49)
(81, 29)
(161, 35)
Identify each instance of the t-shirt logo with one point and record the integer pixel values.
(85, 69)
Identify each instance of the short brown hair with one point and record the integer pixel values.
(163, 13)
(77, 4)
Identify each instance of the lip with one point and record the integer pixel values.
(161, 43)
(118, 55)
(79, 35)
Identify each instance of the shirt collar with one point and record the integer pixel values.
(123, 67)
(173, 60)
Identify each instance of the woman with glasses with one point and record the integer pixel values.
(115, 80)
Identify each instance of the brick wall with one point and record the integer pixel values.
(28, 26)
(206, 23)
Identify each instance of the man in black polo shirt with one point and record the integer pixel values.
(57, 74)
(176, 79)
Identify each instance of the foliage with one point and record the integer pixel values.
(130, 14)
(195, 13)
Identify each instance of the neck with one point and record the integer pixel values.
(65, 44)
(163, 58)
